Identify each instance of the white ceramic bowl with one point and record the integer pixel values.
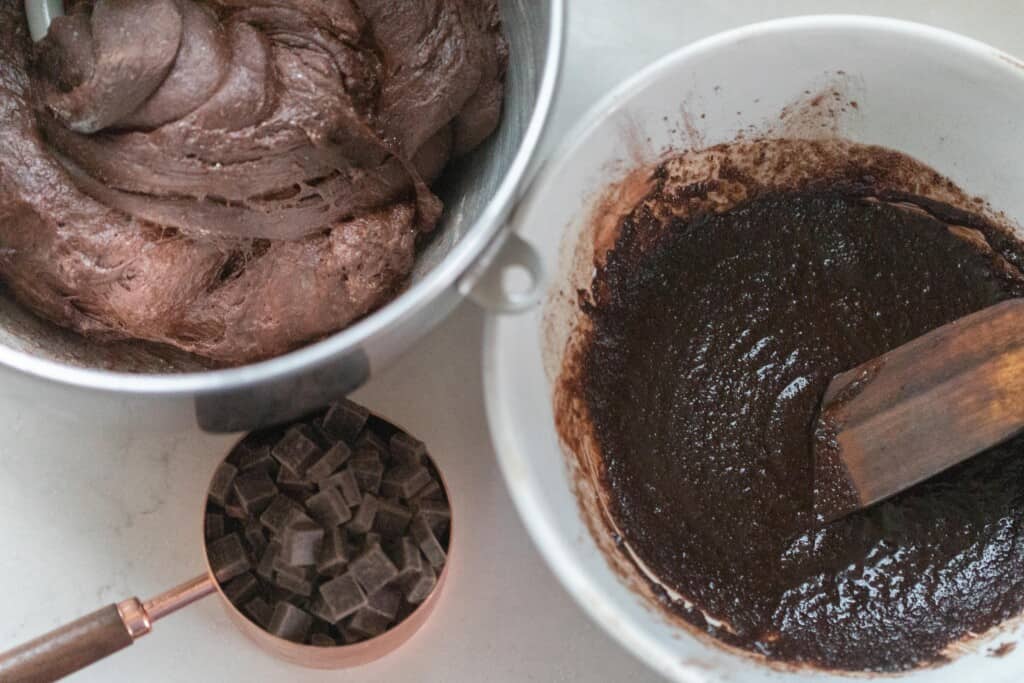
(951, 102)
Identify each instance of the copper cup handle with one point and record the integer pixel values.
(75, 646)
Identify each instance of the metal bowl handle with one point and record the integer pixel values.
(489, 282)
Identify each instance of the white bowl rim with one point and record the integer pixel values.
(536, 517)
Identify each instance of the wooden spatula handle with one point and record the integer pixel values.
(67, 649)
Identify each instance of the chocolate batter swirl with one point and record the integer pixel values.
(233, 178)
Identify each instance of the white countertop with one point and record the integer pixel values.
(121, 510)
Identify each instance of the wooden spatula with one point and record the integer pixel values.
(920, 409)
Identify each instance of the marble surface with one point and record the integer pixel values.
(122, 509)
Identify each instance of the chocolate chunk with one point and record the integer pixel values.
(427, 541)
(239, 589)
(265, 569)
(373, 569)
(254, 492)
(290, 622)
(255, 537)
(368, 467)
(220, 485)
(436, 512)
(350, 637)
(213, 526)
(329, 508)
(405, 450)
(370, 440)
(406, 555)
(371, 539)
(345, 481)
(227, 558)
(385, 602)
(295, 580)
(328, 464)
(301, 542)
(318, 608)
(431, 491)
(417, 588)
(392, 518)
(296, 451)
(322, 640)
(344, 420)
(257, 459)
(403, 481)
(258, 611)
(368, 623)
(342, 597)
(233, 508)
(334, 553)
(281, 511)
(293, 483)
(362, 522)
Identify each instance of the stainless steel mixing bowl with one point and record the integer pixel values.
(53, 368)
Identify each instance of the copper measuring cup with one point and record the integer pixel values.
(109, 629)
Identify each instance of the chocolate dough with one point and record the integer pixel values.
(232, 178)
(710, 347)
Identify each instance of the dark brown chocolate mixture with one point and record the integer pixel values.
(711, 345)
(232, 178)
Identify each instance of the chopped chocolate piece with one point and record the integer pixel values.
(405, 450)
(335, 457)
(220, 485)
(257, 459)
(368, 468)
(436, 512)
(345, 481)
(290, 622)
(301, 541)
(350, 637)
(316, 434)
(239, 589)
(371, 539)
(369, 440)
(368, 623)
(334, 553)
(265, 569)
(392, 518)
(281, 511)
(258, 611)
(318, 608)
(329, 508)
(403, 481)
(227, 558)
(322, 640)
(233, 508)
(213, 527)
(431, 491)
(407, 557)
(385, 602)
(362, 522)
(293, 483)
(254, 492)
(294, 579)
(345, 419)
(417, 588)
(427, 541)
(254, 536)
(373, 569)
(296, 451)
(342, 596)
